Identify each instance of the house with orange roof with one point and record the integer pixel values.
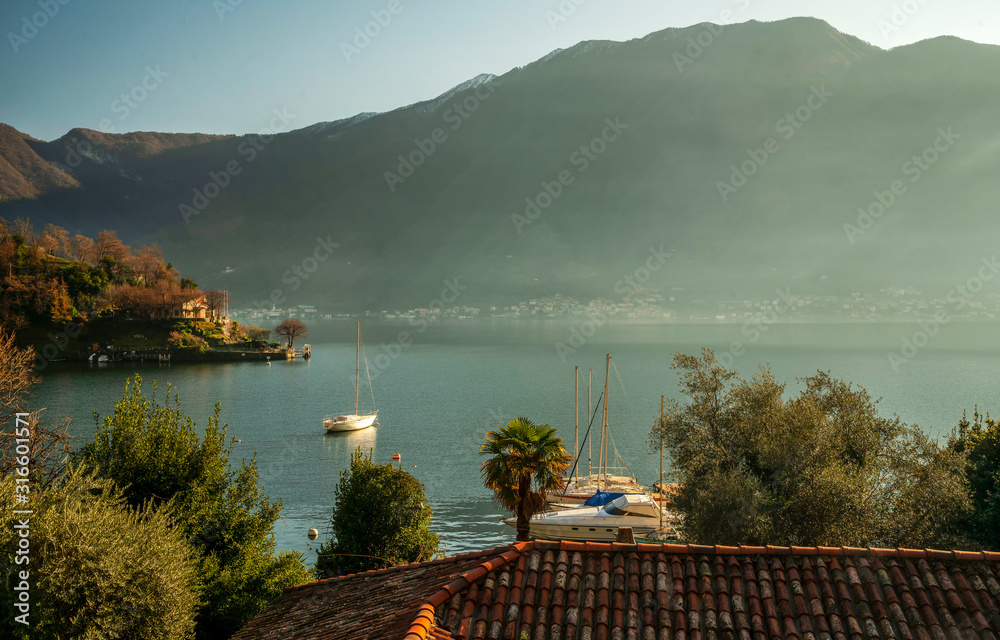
(592, 591)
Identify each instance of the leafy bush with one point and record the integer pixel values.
(380, 519)
(979, 442)
(203, 327)
(820, 468)
(155, 452)
(208, 330)
(186, 340)
(257, 334)
(98, 568)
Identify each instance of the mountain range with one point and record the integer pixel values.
(713, 162)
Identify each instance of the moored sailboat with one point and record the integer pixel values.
(354, 421)
(578, 489)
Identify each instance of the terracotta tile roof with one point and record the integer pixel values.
(593, 591)
(374, 604)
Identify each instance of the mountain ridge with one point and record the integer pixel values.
(657, 183)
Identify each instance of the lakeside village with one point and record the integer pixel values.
(893, 304)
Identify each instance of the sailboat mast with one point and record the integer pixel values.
(357, 370)
(604, 423)
(576, 418)
(660, 483)
(590, 440)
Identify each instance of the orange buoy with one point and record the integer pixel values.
(395, 457)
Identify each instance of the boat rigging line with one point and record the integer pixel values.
(622, 385)
(368, 373)
(585, 436)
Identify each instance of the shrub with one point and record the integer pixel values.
(186, 340)
(98, 568)
(380, 519)
(155, 451)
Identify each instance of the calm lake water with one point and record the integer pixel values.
(440, 394)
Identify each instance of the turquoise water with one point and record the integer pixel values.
(441, 393)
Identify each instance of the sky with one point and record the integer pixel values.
(228, 66)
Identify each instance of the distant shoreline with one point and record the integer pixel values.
(646, 321)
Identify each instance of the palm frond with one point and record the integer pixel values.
(523, 449)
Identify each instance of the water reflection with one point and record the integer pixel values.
(340, 445)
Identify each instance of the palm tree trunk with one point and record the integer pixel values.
(523, 526)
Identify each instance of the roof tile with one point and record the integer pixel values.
(566, 591)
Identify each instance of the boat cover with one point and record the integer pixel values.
(601, 498)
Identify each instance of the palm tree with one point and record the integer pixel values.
(526, 460)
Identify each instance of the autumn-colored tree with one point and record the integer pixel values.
(117, 299)
(237, 331)
(23, 227)
(82, 248)
(109, 246)
(171, 296)
(217, 302)
(48, 444)
(16, 378)
(54, 239)
(147, 265)
(290, 329)
(61, 307)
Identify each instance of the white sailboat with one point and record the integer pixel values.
(354, 421)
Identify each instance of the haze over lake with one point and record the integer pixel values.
(439, 396)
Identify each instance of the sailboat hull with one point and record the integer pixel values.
(583, 533)
(596, 524)
(350, 422)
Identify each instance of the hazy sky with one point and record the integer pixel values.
(223, 66)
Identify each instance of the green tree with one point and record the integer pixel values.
(820, 468)
(526, 460)
(979, 442)
(380, 519)
(155, 453)
(97, 568)
(258, 334)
